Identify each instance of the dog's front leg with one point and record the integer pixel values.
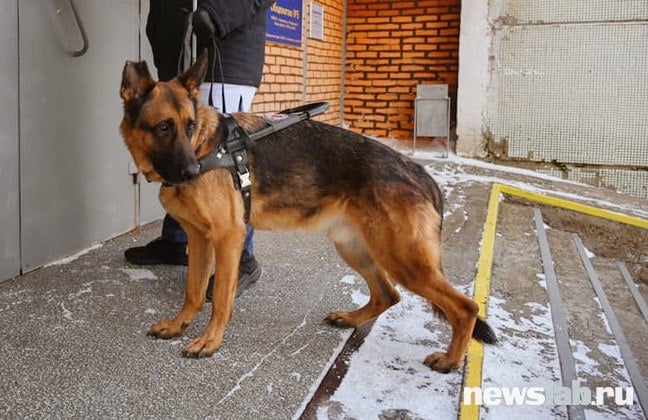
(228, 248)
(201, 260)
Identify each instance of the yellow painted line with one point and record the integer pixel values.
(571, 205)
(475, 354)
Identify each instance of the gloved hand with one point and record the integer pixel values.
(204, 26)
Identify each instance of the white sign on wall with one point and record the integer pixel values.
(317, 21)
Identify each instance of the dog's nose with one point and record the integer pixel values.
(190, 172)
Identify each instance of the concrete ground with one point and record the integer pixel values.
(74, 345)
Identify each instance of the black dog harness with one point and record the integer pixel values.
(232, 152)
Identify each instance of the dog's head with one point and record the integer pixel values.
(159, 121)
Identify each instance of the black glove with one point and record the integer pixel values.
(203, 25)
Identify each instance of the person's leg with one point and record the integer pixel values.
(237, 99)
(248, 249)
(172, 231)
(168, 249)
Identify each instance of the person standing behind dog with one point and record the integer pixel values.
(239, 29)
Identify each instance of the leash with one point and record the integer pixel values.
(232, 152)
(184, 59)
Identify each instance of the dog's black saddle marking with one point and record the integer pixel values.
(232, 153)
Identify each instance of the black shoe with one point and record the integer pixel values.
(249, 272)
(157, 252)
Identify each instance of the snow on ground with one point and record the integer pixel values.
(137, 274)
(453, 173)
(387, 373)
(73, 257)
(525, 356)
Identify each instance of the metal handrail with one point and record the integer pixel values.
(84, 36)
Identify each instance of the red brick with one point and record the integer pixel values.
(421, 47)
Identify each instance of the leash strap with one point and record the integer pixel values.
(184, 59)
(216, 54)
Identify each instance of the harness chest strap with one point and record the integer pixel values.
(232, 153)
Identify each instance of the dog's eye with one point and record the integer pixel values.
(163, 127)
(191, 127)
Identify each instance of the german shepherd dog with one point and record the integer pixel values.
(382, 211)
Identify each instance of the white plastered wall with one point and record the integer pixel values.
(474, 44)
(554, 81)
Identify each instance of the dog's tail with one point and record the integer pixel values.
(483, 332)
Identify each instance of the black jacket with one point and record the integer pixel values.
(240, 32)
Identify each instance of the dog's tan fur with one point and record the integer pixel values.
(387, 228)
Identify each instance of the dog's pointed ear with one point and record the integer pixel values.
(136, 81)
(195, 76)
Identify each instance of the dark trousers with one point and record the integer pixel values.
(173, 232)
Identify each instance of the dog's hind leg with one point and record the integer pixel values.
(201, 260)
(413, 259)
(383, 295)
(460, 311)
(228, 247)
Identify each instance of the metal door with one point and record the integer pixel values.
(9, 189)
(76, 188)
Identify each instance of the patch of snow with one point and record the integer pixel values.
(610, 350)
(387, 371)
(73, 257)
(589, 253)
(349, 279)
(601, 315)
(584, 363)
(501, 168)
(67, 314)
(613, 352)
(525, 355)
(87, 289)
(359, 298)
(137, 274)
(620, 378)
(542, 281)
(453, 176)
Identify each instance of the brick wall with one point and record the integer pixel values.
(325, 62)
(393, 45)
(283, 79)
(284, 84)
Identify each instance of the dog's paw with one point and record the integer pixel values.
(166, 329)
(341, 319)
(440, 362)
(201, 347)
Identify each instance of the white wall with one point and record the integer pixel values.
(557, 81)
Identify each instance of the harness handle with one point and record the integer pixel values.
(288, 117)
